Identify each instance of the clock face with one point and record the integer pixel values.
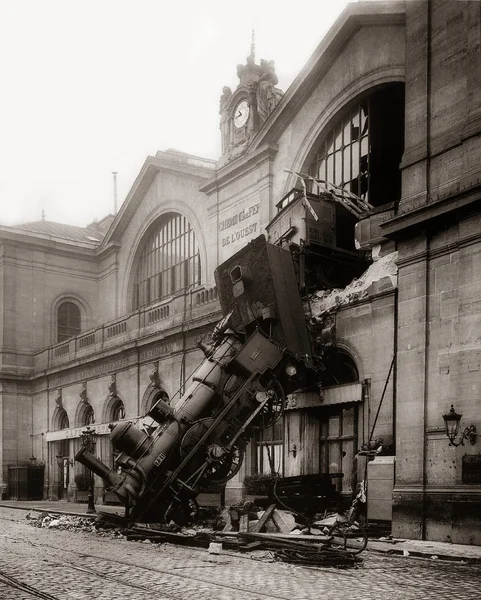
(241, 114)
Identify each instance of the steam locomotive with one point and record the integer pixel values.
(259, 352)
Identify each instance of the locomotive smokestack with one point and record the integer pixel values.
(96, 466)
(114, 174)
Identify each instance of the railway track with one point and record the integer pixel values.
(13, 582)
(54, 559)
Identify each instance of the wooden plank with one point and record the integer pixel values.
(284, 536)
(251, 546)
(244, 523)
(262, 521)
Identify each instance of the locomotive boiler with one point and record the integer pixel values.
(259, 352)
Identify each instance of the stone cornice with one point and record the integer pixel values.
(460, 488)
(418, 216)
(354, 16)
(47, 242)
(443, 250)
(239, 167)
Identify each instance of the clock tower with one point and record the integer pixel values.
(243, 111)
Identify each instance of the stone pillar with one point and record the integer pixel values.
(415, 159)
(411, 389)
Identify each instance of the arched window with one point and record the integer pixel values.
(363, 150)
(88, 415)
(63, 421)
(340, 369)
(169, 261)
(68, 321)
(117, 411)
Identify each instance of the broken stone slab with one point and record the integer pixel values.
(327, 521)
(284, 520)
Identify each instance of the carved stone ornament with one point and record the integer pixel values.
(112, 387)
(154, 375)
(83, 393)
(224, 99)
(58, 398)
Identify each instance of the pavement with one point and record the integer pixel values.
(416, 548)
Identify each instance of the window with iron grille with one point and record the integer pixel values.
(169, 261)
(68, 321)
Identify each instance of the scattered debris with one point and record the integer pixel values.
(270, 533)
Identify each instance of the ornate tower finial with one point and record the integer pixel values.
(253, 45)
(43, 214)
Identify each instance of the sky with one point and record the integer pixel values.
(96, 86)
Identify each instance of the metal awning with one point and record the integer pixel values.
(336, 394)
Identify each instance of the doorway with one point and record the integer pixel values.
(63, 469)
(338, 434)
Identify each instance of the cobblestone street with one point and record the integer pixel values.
(61, 565)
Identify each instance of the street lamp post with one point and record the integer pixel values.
(88, 437)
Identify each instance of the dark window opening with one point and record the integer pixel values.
(68, 321)
(340, 369)
(362, 153)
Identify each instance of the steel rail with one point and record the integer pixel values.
(24, 587)
(182, 576)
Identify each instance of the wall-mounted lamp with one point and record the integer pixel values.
(452, 420)
(59, 458)
(293, 451)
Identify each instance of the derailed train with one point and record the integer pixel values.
(259, 352)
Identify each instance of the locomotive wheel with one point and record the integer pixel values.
(222, 469)
(193, 435)
(274, 407)
(220, 464)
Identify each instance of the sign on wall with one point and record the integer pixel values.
(237, 227)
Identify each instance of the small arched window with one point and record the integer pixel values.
(88, 416)
(341, 369)
(117, 411)
(63, 422)
(169, 261)
(68, 321)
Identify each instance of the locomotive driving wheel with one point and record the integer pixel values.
(216, 460)
(223, 463)
(193, 435)
(273, 409)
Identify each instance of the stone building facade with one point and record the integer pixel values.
(99, 322)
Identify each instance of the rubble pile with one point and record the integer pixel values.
(60, 521)
(326, 301)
